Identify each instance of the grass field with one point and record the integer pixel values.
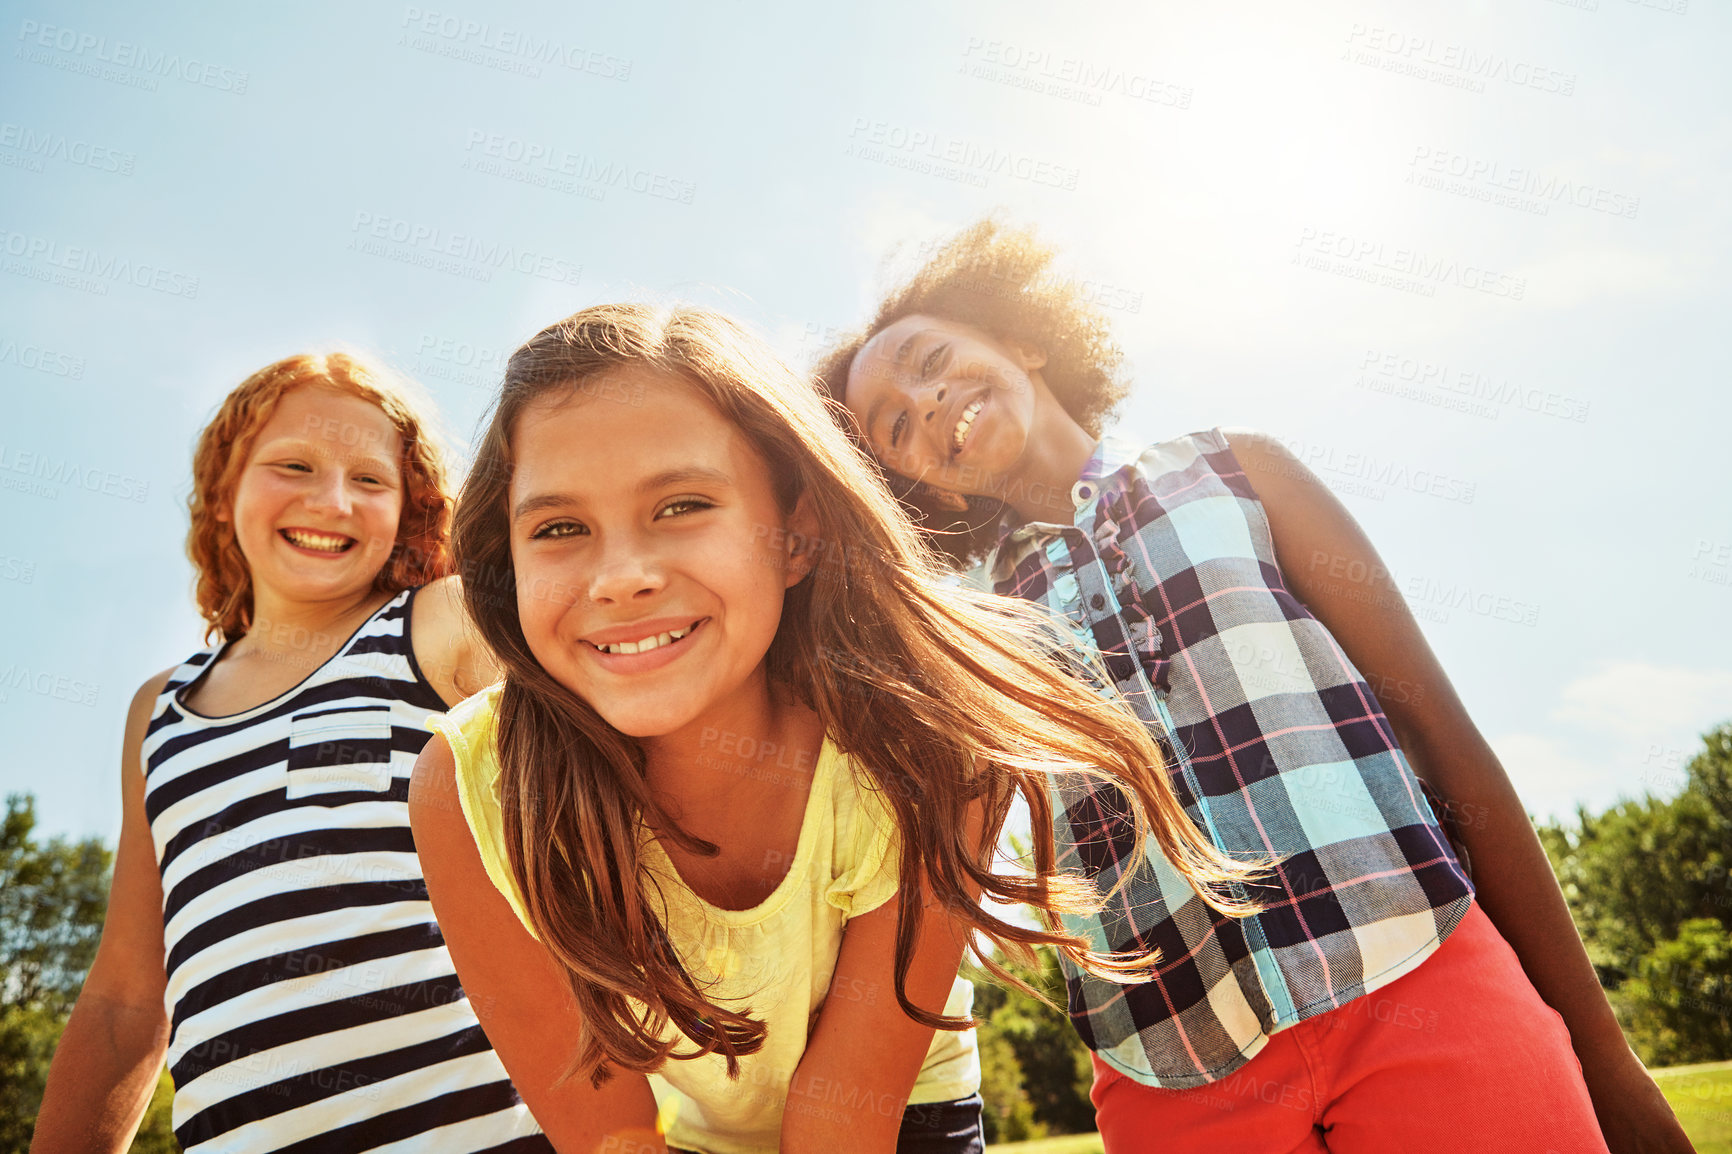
(1070, 1144)
(1700, 1095)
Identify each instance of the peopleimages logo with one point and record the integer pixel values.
(1067, 77)
(872, 139)
(87, 52)
(553, 161)
(503, 47)
(88, 262)
(1380, 473)
(1386, 372)
(36, 146)
(1515, 186)
(42, 360)
(1457, 65)
(15, 466)
(1372, 257)
(17, 678)
(463, 253)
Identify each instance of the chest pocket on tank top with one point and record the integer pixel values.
(345, 749)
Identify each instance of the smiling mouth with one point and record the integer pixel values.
(959, 435)
(317, 542)
(645, 644)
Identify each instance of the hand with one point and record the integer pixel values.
(1634, 1116)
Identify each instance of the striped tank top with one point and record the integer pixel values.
(312, 1002)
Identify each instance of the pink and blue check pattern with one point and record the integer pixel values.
(1275, 744)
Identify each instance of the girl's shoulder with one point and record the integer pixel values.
(865, 847)
(445, 646)
(1174, 454)
(468, 728)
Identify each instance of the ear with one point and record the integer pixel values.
(223, 515)
(940, 498)
(802, 542)
(1029, 357)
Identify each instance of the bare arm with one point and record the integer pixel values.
(448, 648)
(1330, 565)
(864, 1044)
(108, 1059)
(519, 993)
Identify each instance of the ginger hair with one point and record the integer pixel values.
(224, 588)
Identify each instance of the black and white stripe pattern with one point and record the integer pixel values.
(313, 1003)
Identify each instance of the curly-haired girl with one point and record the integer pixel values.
(1373, 1002)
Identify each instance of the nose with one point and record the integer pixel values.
(331, 493)
(626, 572)
(930, 399)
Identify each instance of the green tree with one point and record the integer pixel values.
(1647, 882)
(1008, 1115)
(1680, 1000)
(53, 896)
(1035, 1069)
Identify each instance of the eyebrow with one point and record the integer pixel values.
(294, 442)
(899, 360)
(667, 479)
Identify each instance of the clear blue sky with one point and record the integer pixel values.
(1470, 261)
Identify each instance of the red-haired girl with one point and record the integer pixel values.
(268, 929)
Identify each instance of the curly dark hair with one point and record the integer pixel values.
(998, 278)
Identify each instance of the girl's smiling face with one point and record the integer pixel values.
(316, 506)
(651, 552)
(941, 402)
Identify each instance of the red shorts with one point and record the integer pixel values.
(1459, 1055)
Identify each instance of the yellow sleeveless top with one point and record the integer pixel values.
(777, 957)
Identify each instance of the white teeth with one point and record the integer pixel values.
(318, 541)
(647, 643)
(964, 423)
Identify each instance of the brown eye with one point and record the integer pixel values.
(555, 530)
(897, 428)
(683, 506)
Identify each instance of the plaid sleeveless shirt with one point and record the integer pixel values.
(1275, 745)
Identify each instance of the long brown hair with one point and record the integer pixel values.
(945, 697)
(422, 552)
(999, 278)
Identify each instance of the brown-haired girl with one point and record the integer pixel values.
(1371, 1003)
(718, 838)
(268, 928)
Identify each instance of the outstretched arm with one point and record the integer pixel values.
(518, 992)
(1330, 565)
(861, 1063)
(111, 1052)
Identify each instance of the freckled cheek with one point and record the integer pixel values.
(255, 505)
(384, 532)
